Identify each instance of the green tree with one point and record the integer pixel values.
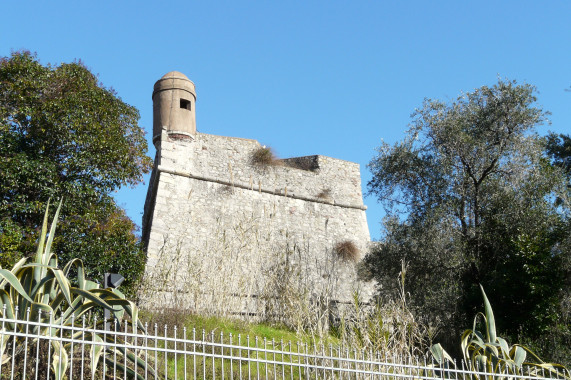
(469, 194)
(64, 135)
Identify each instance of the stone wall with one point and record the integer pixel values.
(225, 235)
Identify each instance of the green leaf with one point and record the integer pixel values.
(133, 358)
(440, 354)
(13, 281)
(60, 360)
(6, 301)
(504, 347)
(16, 267)
(64, 285)
(42, 239)
(92, 297)
(490, 321)
(48, 248)
(90, 285)
(80, 271)
(96, 351)
(519, 356)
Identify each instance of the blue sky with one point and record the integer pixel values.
(305, 77)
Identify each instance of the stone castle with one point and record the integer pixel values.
(228, 232)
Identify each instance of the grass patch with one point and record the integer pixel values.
(206, 363)
(185, 318)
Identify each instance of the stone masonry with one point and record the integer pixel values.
(230, 236)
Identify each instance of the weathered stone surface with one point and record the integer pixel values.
(226, 235)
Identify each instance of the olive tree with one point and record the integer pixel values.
(470, 197)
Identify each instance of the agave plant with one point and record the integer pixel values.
(46, 293)
(487, 352)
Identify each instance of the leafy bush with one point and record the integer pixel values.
(10, 240)
(64, 134)
(52, 296)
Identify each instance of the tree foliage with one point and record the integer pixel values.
(470, 197)
(64, 135)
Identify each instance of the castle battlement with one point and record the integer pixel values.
(228, 161)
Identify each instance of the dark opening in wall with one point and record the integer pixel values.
(185, 104)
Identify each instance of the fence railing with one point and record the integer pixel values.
(42, 348)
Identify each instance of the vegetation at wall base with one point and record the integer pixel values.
(64, 135)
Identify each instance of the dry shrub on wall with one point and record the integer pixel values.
(324, 194)
(347, 251)
(264, 156)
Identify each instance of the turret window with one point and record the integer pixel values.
(185, 104)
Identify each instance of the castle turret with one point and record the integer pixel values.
(174, 99)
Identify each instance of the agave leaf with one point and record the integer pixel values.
(133, 312)
(71, 310)
(492, 349)
(118, 292)
(6, 301)
(133, 358)
(3, 358)
(48, 290)
(532, 354)
(41, 284)
(96, 351)
(80, 271)
(60, 360)
(13, 281)
(46, 310)
(439, 353)
(90, 285)
(112, 298)
(25, 277)
(476, 343)
(79, 311)
(17, 266)
(504, 347)
(42, 240)
(490, 321)
(554, 369)
(92, 297)
(129, 372)
(518, 355)
(48, 248)
(464, 344)
(105, 294)
(481, 362)
(64, 284)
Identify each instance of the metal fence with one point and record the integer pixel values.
(42, 348)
